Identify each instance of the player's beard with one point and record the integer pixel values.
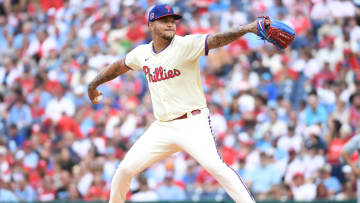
(165, 35)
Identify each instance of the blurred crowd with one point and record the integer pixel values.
(280, 118)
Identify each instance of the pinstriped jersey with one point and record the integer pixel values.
(173, 75)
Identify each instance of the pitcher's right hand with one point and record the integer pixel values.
(94, 95)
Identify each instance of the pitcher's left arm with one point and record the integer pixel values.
(223, 38)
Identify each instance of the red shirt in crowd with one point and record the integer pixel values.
(334, 150)
(27, 83)
(67, 123)
(322, 77)
(97, 192)
(46, 194)
(238, 46)
(301, 24)
(204, 177)
(354, 116)
(46, 4)
(228, 155)
(136, 33)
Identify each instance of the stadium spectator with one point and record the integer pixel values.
(302, 190)
(264, 176)
(144, 193)
(6, 193)
(168, 191)
(314, 112)
(331, 183)
(24, 191)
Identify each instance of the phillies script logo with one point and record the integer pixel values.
(160, 74)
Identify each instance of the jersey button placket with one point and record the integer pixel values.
(164, 100)
(160, 88)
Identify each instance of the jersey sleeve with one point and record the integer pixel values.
(195, 46)
(353, 144)
(132, 59)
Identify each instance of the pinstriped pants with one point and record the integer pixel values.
(192, 135)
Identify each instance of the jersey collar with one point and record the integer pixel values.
(153, 49)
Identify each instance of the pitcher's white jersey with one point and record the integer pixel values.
(173, 75)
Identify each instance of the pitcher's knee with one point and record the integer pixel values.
(126, 171)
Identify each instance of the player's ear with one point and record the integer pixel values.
(151, 26)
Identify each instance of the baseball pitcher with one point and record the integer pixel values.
(171, 67)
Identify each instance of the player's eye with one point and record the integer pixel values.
(168, 20)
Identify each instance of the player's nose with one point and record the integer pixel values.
(170, 24)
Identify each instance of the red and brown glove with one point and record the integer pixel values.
(275, 31)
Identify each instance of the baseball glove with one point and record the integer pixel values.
(275, 31)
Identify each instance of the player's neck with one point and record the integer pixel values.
(160, 44)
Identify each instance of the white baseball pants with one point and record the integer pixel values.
(192, 135)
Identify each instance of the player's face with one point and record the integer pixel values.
(164, 27)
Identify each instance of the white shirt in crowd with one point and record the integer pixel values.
(296, 166)
(82, 147)
(320, 11)
(277, 129)
(286, 142)
(232, 19)
(312, 164)
(218, 124)
(145, 196)
(85, 183)
(56, 107)
(11, 77)
(312, 68)
(305, 192)
(341, 9)
(326, 96)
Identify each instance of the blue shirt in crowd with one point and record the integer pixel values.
(332, 183)
(7, 196)
(21, 116)
(172, 193)
(313, 117)
(27, 195)
(263, 178)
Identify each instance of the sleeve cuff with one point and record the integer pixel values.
(126, 64)
(206, 46)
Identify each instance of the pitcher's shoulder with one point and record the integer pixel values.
(182, 40)
(142, 48)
